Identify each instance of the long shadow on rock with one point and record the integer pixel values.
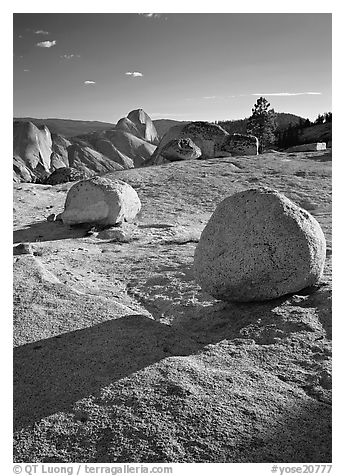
(209, 321)
(52, 374)
(302, 434)
(48, 231)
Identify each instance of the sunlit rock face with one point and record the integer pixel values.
(140, 125)
(32, 150)
(101, 201)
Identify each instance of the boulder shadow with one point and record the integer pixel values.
(209, 321)
(48, 231)
(50, 375)
(301, 434)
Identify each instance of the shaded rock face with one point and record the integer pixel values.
(180, 149)
(208, 137)
(240, 144)
(140, 125)
(307, 147)
(109, 150)
(101, 201)
(59, 157)
(63, 175)
(258, 245)
(136, 149)
(89, 161)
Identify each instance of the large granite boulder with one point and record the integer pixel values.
(240, 144)
(102, 201)
(258, 245)
(208, 137)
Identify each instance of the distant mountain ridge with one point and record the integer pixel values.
(68, 127)
(240, 125)
(73, 127)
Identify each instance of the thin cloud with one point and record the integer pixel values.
(151, 15)
(287, 94)
(209, 97)
(134, 74)
(26, 70)
(89, 82)
(69, 56)
(166, 115)
(46, 44)
(41, 32)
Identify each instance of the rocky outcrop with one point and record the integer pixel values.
(240, 144)
(59, 157)
(131, 146)
(89, 161)
(130, 143)
(37, 152)
(32, 149)
(258, 245)
(64, 175)
(307, 147)
(109, 150)
(208, 137)
(177, 149)
(102, 201)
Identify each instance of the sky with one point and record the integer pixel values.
(193, 66)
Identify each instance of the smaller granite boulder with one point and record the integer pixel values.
(240, 144)
(258, 245)
(23, 249)
(180, 149)
(102, 201)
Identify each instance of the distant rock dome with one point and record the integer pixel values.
(139, 124)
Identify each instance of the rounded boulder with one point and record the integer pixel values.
(258, 245)
(101, 201)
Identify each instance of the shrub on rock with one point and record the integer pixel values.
(63, 175)
(101, 201)
(258, 245)
(240, 144)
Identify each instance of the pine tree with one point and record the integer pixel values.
(262, 124)
(320, 119)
